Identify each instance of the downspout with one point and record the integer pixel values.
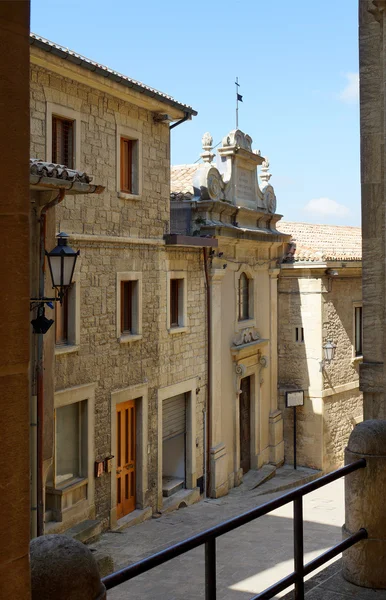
(40, 366)
(209, 378)
(186, 118)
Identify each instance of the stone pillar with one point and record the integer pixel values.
(364, 563)
(276, 436)
(63, 568)
(15, 293)
(218, 481)
(372, 132)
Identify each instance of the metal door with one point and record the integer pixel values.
(125, 458)
(245, 424)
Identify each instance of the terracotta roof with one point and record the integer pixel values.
(46, 169)
(319, 243)
(181, 179)
(90, 65)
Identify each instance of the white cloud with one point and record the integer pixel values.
(350, 93)
(326, 207)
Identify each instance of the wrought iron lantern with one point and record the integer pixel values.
(62, 260)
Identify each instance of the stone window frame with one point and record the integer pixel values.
(65, 397)
(138, 393)
(355, 357)
(132, 134)
(187, 387)
(73, 319)
(52, 110)
(137, 308)
(251, 322)
(182, 306)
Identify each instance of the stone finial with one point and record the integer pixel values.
(207, 144)
(265, 175)
(63, 568)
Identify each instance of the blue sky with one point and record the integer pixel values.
(297, 63)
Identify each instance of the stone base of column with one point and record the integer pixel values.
(276, 438)
(218, 472)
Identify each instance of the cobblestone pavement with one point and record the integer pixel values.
(249, 559)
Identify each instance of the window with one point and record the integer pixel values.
(71, 442)
(127, 147)
(358, 331)
(129, 306)
(243, 297)
(67, 320)
(177, 320)
(299, 335)
(63, 141)
(129, 163)
(128, 293)
(176, 300)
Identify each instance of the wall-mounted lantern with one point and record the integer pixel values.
(328, 353)
(61, 261)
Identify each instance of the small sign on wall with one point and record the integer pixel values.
(295, 398)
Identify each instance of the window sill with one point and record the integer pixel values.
(174, 330)
(69, 485)
(126, 338)
(66, 349)
(356, 359)
(126, 196)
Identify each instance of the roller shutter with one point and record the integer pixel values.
(173, 416)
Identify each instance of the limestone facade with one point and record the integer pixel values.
(224, 198)
(319, 297)
(120, 236)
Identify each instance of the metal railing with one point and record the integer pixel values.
(208, 538)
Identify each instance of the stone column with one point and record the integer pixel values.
(218, 481)
(276, 438)
(15, 294)
(364, 563)
(372, 132)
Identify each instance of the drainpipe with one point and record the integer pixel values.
(40, 367)
(209, 378)
(187, 117)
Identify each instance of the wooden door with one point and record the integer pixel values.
(245, 424)
(125, 458)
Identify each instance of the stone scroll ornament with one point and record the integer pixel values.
(246, 336)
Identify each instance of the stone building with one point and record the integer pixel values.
(126, 423)
(225, 200)
(320, 299)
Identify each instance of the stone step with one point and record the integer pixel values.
(180, 499)
(134, 518)
(87, 531)
(171, 485)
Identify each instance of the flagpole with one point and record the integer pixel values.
(237, 103)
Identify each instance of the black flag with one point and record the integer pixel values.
(239, 97)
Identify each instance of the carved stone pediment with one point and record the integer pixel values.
(246, 336)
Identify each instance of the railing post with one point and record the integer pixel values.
(210, 569)
(298, 548)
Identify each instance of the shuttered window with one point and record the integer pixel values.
(63, 142)
(243, 297)
(174, 301)
(358, 331)
(173, 416)
(127, 165)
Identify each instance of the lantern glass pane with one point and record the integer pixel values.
(68, 268)
(55, 263)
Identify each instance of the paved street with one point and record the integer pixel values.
(249, 559)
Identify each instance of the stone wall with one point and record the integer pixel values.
(103, 227)
(341, 412)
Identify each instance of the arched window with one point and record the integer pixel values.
(243, 297)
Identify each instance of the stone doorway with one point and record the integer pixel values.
(245, 424)
(125, 471)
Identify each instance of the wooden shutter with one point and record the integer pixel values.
(243, 297)
(173, 416)
(61, 321)
(63, 142)
(126, 165)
